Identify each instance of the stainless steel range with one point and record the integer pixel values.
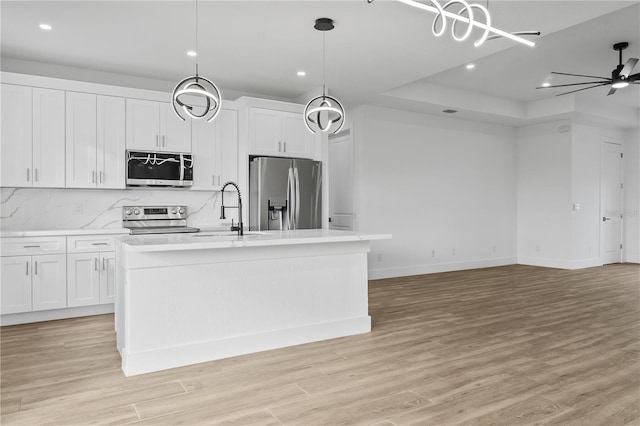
(156, 219)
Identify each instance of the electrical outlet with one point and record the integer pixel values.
(433, 253)
(79, 208)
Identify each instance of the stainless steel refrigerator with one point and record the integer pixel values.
(284, 193)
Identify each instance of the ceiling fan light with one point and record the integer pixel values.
(619, 84)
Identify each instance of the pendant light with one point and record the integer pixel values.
(324, 113)
(196, 87)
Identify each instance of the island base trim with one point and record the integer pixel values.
(179, 356)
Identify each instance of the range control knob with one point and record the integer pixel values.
(127, 211)
(174, 211)
(136, 211)
(181, 211)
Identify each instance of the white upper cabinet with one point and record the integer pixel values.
(33, 137)
(95, 141)
(215, 151)
(48, 138)
(153, 126)
(16, 135)
(110, 142)
(278, 133)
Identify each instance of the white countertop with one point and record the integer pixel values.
(226, 239)
(62, 232)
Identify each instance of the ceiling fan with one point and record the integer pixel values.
(620, 77)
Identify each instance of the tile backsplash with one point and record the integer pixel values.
(43, 208)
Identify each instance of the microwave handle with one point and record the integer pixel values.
(181, 167)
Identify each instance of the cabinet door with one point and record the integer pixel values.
(215, 151)
(49, 282)
(107, 277)
(83, 279)
(16, 149)
(204, 154)
(265, 132)
(81, 140)
(226, 147)
(48, 138)
(111, 142)
(15, 286)
(175, 134)
(295, 140)
(143, 125)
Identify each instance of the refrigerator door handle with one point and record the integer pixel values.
(297, 201)
(290, 196)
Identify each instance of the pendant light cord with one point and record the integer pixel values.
(197, 51)
(324, 61)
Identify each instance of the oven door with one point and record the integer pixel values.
(159, 169)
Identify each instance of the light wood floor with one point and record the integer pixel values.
(499, 346)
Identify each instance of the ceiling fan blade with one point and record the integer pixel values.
(628, 67)
(612, 91)
(578, 75)
(573, 84)
(634, 78)
(584, 88)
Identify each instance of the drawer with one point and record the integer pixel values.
(89, 243)
(21, 246)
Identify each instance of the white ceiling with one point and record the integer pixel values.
(257, 46)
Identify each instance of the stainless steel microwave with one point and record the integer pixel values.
(146, 168)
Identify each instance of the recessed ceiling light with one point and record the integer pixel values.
(546, 84)
(192, 53)
(301, 73)
(471, 66)
(45, 27)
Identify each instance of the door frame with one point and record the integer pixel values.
(613, 141)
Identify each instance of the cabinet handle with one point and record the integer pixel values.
(27, 268)
(101, 176)
(218, 180)
(163, 143)
(103, 264)
(28, 174)
(279, 146)
(213, 180)
(36, 266)
(95, 263)
(36, 174)
(31, 246)
(99, 244)
(93, 176)
(285, 146)
(157, 141)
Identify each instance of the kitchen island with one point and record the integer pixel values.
(187, 298)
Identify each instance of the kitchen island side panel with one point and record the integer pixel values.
(183, 314)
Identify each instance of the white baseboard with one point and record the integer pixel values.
(55, 314)
(178, 356)
(632, 258)
(376, 274)
(560, 263)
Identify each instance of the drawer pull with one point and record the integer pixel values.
(95, 263)
(31, 246)
(36, 265)
(100, 244)
(103, 265)
(27, 268)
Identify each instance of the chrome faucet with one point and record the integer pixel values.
(239, 227)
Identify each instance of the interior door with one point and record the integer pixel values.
(341, 181)
(611, 203)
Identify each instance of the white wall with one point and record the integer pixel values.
(544, 194)
(44, 208)
(445, 188)
(632, 196)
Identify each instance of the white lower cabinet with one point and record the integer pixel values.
(33, 283)
(91, 279)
